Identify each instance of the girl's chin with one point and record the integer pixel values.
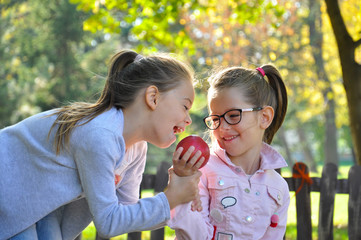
(166, 144)
(173, 139)
(227, 146)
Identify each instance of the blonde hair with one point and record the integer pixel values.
(128, 73)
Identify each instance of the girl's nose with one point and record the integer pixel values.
(188, 119)
(224, 125)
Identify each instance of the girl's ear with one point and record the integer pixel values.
(152, 97)
(267, 114)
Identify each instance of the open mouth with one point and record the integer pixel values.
(177, 129)
(229, 138)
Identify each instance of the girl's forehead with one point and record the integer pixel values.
(227, 94)
(226, 99)
(184, 91)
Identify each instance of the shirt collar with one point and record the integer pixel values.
(270, 158)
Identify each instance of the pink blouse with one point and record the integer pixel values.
(236, 206)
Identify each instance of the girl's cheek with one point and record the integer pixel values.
(218, 139)
(216, 133)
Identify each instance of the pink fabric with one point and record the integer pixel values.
(236, 206)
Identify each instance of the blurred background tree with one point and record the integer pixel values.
(56, 52)
(347, 34)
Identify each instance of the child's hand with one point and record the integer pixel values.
(182, 189)
(197, 204)
(185, 166)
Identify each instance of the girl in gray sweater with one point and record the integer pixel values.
(62, 169)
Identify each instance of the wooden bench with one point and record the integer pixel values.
(328, 185)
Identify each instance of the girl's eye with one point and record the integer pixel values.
(234, 116)
(186, 107)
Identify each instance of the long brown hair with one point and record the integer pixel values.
(128, 73)
(258, 90)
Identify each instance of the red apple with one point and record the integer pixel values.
(198, 143)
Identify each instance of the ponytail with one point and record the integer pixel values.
(118, 63)
(128, 73)
(276, 83)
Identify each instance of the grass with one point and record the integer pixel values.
(340, 214)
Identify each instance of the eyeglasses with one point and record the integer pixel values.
(232, 117)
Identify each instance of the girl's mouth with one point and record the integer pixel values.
(177, 129)
(227, 139)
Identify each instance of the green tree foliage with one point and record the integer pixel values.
(9, 93)
(248, 33)
(48, 59)
(161, 23)
(39, 55)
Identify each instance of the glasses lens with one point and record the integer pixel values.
(233, 117)
(212, 122)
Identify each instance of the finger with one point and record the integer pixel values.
(191, 162)
(199, 163)
(177, 162)
(193, 206)
(171, 172)
(197, 205)
(188, 153)
(177, 153)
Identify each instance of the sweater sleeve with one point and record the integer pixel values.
(190, 224)
(279, 231)
(96, 155)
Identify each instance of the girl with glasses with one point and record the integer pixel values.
(242, 194)
(63, 168)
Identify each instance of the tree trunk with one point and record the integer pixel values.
(316, 42)
(307, 153)
(351, 72)
(282, 136)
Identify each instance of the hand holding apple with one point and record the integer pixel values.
(198, 143)
(195, 149)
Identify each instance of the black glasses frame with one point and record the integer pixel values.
(224, 114)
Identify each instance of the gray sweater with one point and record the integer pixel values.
(34, 181)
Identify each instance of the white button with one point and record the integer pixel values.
(278, 197)
(258, 193)
(249, 219)
(221, 182)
